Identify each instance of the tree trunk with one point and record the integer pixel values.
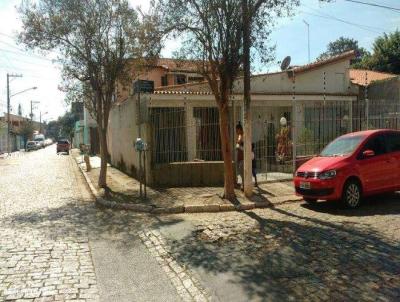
(103, 157)
(229, 187)
(247, 135)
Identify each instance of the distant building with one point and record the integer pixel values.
(377, 105)
(163, 72)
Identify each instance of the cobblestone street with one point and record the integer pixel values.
(52, 236)
(55, 245)
(296, 252)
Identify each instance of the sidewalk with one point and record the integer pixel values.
(125, 194)
(5, 155)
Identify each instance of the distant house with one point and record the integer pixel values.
(163, 72)
(3, 137)
(378, 101)
(16, 123)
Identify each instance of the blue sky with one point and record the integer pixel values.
(289, 36)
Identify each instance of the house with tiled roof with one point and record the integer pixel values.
(296, 112)
(378, 99)
(163, 72)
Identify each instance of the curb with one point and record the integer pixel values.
(210, 208)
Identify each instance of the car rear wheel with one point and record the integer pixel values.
(352, 194)
(310, 200)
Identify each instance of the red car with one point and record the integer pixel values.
(63, 146)
(353, 166)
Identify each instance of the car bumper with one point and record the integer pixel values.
(319, 189)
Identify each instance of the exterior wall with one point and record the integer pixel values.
(385, 90)
(189, 174)
(312, 81)
(123, 130)
(3, 140)
(154, 74)
(78, 134)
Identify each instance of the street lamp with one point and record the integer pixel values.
(32, 88)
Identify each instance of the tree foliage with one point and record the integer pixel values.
(214, 32)
(94, 39)
(385, 55)
(342, 45)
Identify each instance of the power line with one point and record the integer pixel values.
(327, 16)
(44, 65)
(364, 27)
(28, 55)
(24, 51)
(375, 5)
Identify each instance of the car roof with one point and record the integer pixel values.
(367, 133)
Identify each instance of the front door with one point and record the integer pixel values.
(375, 171)
(393, 143)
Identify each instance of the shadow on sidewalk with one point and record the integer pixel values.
(293, 257)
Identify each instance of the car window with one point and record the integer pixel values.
(376, 144)
(393, 141)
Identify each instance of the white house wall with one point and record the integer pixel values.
(311, 81)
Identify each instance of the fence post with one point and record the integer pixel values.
(351, 115)
(366, 100)
(233, 123)
(190, 132)
(294, 121)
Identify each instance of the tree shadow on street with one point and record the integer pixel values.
(385, 204)
(79, 218)
(291, 257)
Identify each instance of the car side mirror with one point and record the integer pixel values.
(368, 153)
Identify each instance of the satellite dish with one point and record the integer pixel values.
(286, 63)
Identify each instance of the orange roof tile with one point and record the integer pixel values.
(363, 77)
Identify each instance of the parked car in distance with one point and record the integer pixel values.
(40, 139)
(31, 145)
(48, 142)
(63, 145)
(351, 167)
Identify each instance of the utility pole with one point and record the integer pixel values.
(8, 109)
(33, 102)
(308, 38)
(41, 120)
(31, 111)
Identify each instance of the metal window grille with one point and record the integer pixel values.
(208, 139)
(168, 132)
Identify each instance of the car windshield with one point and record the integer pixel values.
(342, 146)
